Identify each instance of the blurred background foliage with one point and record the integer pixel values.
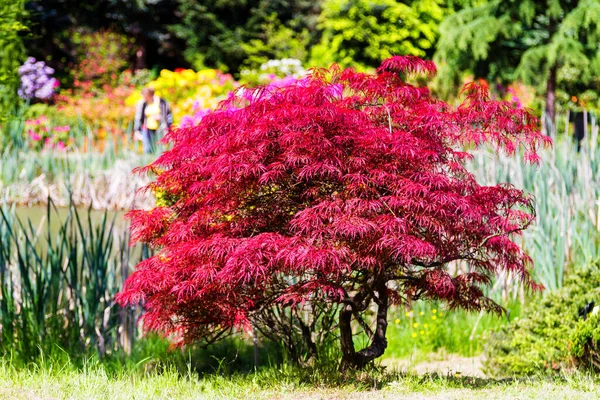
(550, 45)
(12, 52)
(361, 33)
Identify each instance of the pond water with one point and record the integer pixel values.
(37, 215)
(34, 219)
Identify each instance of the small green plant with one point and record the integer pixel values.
(164, 197)
(540, 341)
(585, 344)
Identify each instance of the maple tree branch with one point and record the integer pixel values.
(363, 324)
(487, 238)
(388, 207)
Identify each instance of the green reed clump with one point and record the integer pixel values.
(566, 186)
(58, 284)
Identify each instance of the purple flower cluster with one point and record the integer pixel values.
(36, 80)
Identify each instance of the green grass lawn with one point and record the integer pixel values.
(67, 382)
(449, 343)
(224, 371)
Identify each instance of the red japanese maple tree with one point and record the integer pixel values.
(346, 188)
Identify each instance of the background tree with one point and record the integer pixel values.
(275, 42)
(364, 32)
(147, 23)
(544, 43)
(222, 33)
(54, 22)
(12, 53)
(345, 189)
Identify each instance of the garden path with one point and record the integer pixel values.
(450, 364)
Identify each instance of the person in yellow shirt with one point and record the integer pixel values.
(152, 117)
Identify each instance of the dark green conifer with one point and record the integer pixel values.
(550, 44)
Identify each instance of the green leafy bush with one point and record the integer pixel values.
(101, 57)
(360, 33)
(585, 344)
(540, 342)
(12, 53)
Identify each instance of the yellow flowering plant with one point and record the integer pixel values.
(189, 91)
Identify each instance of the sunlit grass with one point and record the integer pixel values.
(93, 382)
(428, 328)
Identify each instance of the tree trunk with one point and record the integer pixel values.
(140, 61)
(550, 120)
(358, 360)
(346, 342)
(311, 347)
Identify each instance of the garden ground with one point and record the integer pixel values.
(440, 363)
(53, 382)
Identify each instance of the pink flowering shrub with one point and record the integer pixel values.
(42, 134)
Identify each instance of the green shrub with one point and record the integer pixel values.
(12, 53)
(232, 355)
(585, 344)
(540, 342)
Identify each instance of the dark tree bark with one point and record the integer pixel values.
(140, 61)
(346, 342)
(350, 357)
(550, 122)
(307, 336)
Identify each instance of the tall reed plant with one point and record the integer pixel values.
(566, 186)
(58, 283)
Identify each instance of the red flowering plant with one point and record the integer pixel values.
(347, 189)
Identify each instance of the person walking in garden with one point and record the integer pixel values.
(152, 117)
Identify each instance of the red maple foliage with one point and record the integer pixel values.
(345, 188)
